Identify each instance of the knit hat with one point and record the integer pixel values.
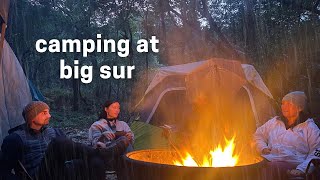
(33, 109)
(297, 98)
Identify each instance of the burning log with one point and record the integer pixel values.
(219, 157)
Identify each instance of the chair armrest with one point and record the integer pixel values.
(315, 162)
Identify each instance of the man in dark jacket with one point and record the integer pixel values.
(42, 152)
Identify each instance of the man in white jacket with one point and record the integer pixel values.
(289, 142)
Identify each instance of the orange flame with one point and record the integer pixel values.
(219, 157)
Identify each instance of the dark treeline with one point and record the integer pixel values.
(279, 37)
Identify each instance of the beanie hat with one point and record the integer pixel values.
(297, 98)
(33, 109)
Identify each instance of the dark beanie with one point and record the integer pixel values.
(33, 109)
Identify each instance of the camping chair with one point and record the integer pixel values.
(316, 173)
(316, 162)
(19, 172)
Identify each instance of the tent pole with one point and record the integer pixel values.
(3, 33)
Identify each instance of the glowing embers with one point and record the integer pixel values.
(218, 158)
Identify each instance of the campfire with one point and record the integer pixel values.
(218, 158)
(227, 161)
(158, 164)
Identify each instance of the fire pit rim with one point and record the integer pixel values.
(127, 158)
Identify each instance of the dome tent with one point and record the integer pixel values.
(14, 91)
(175, 88)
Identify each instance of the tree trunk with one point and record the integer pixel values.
(76, 94)
(147, 54)
(250, 30)
(76, 90)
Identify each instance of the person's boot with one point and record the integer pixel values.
(114, 151)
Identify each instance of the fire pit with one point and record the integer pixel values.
(157, 164)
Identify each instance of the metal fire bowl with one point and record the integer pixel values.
(157, 164)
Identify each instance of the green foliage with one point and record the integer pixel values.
(69, 119)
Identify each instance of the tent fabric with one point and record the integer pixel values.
(183, 69)
(14, 91)
(188, 79)
(4, 9)
(250, 72)
(35, 93)
(148, 136)
(255, 79)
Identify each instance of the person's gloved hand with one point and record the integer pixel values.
(125, 141)
(129, 136)
(266, 151)
(109, 135)
(295, 173)
(100, 145)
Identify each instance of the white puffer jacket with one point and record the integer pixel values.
(297, 145)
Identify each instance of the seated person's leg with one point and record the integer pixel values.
(61, 150)
(278, 170)
(8, 176)
(77, 169)
(97, 169)
(129, 147)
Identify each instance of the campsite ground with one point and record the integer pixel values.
(75, 125)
